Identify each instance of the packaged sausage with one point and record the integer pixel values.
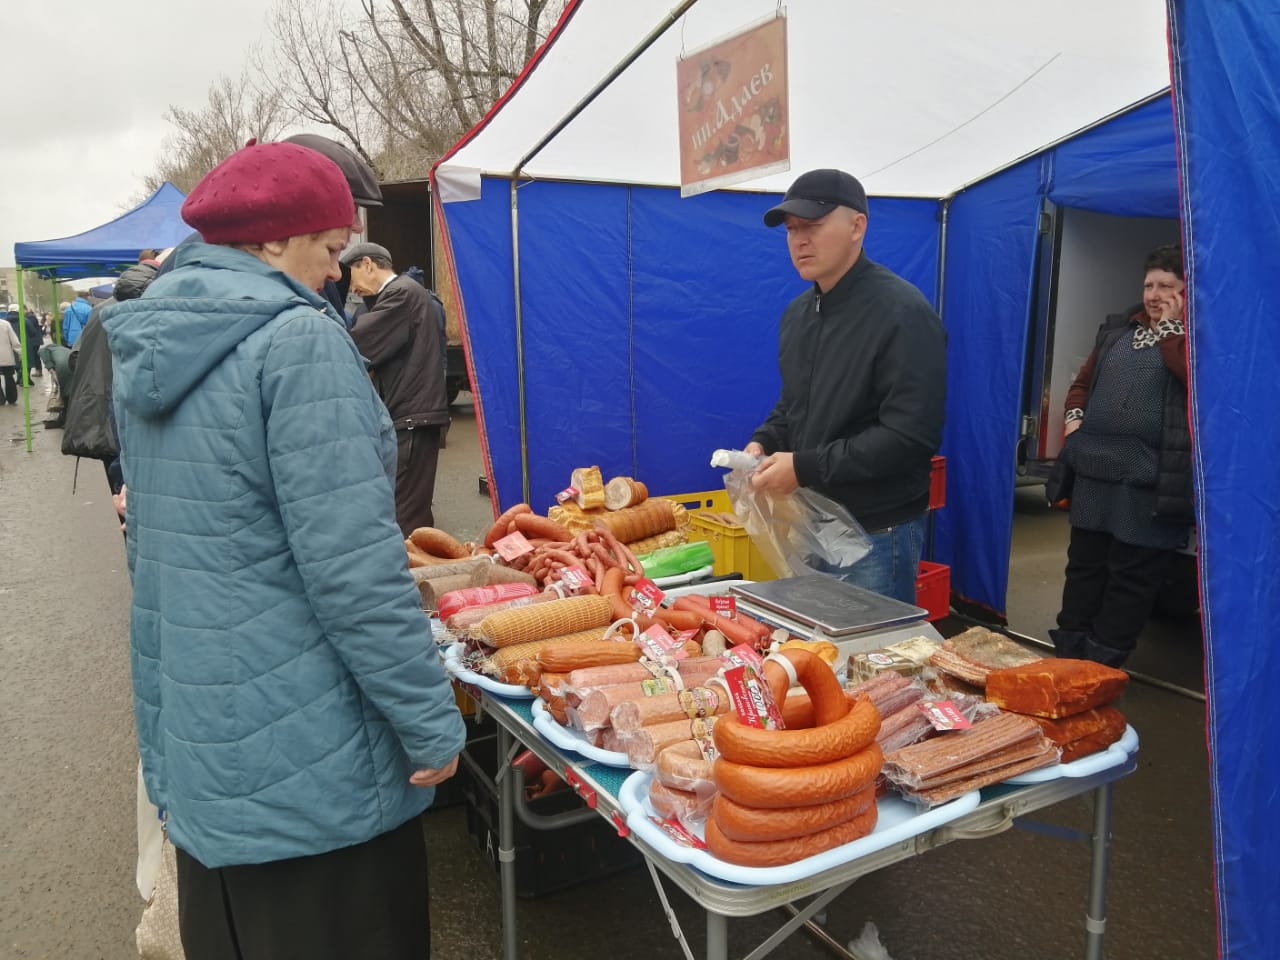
(688, 808)
(685, 765)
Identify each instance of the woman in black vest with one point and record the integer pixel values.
(1129, 445)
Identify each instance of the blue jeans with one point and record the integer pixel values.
(893, 563)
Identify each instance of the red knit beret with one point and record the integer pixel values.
(269, 191)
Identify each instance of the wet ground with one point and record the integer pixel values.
(67, 809)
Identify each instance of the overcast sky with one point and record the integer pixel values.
(87, 84)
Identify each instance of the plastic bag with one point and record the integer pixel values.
(799, 533)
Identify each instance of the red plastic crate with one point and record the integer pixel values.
(933, 589)
(938, 484)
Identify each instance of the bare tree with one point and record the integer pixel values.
(407, 78)
(237, 110)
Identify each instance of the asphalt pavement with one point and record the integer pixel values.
(67, 807)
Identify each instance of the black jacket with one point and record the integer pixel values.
(400, 337)
(1175, 497)
(864, 373)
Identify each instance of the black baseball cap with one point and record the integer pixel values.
(364, 185)
(817, 193)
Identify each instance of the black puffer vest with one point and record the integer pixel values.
(1175, 497)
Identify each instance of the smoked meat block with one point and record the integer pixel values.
(1054, 688)
(1084, 733)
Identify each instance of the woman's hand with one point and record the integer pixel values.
(1070, 427)
(430, 777)
(1173, 306)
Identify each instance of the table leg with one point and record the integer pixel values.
(507, 846)
(717, 936)
(1096, 921)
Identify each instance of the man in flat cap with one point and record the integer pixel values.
(864, 370)
(401, 335)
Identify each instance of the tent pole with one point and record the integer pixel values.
(665, 24)
(23, 365)
(520, 397)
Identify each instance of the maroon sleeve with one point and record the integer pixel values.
(1078, 393)
(1173, 350)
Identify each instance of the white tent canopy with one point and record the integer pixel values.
(988, 83)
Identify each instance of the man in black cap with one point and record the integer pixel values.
(863, 358)
(401, 336)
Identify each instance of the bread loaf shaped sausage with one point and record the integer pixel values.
(780, 787)
(753, 825)
(775, 853)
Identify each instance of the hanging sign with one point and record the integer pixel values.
(733, 109)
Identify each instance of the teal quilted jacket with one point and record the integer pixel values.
(285, 682)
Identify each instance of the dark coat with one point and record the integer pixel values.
(400, 336)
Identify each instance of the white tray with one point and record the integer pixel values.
(1113, 756)
(453, 666)
(898, 821)
(567, 738)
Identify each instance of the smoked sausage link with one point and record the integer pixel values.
(499, 528)
(740, 743)
(818, 679)
(753, 825)
(780, 787)
(775, 853)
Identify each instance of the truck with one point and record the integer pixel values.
(404, 224)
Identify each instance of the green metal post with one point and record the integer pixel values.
(25, 367)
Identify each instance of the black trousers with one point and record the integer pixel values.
(9, 377)
(368, 902)
(418, 453)
(1111, 588)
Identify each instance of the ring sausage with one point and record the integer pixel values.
(818, 679)
(778, 787)
(499, 528)
(775, 853)
(532, 525)
(822, 743)
(439, 543)
(752, 825)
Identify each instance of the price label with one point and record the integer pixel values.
(743, 655)
(725, 607)
(568, 493)
(575, 578)
(658, 644)
(684, 636)
(513, 545)
(645, 595)
(752, 700)
(943, 714)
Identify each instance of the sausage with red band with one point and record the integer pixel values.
(780, 787)
(775, 853)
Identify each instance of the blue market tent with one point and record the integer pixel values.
(109, 248)
(609, 321)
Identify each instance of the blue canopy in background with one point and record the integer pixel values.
(156, 222)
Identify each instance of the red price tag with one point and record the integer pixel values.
(658, 644)
(684, 636)
(676, 831)
(646, 595)
(943, 714)
(743, 655)
(513, 545)
(752, 700)
(575, 578)
(568, 493)
(725, 607)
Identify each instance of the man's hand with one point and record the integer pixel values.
(429, 777)
(754, 449)
(1071, 427)
(777, 474)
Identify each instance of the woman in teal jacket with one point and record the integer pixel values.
(291, 710)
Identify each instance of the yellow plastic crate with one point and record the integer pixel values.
(731, 548)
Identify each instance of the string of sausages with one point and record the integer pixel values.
(597, 551)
